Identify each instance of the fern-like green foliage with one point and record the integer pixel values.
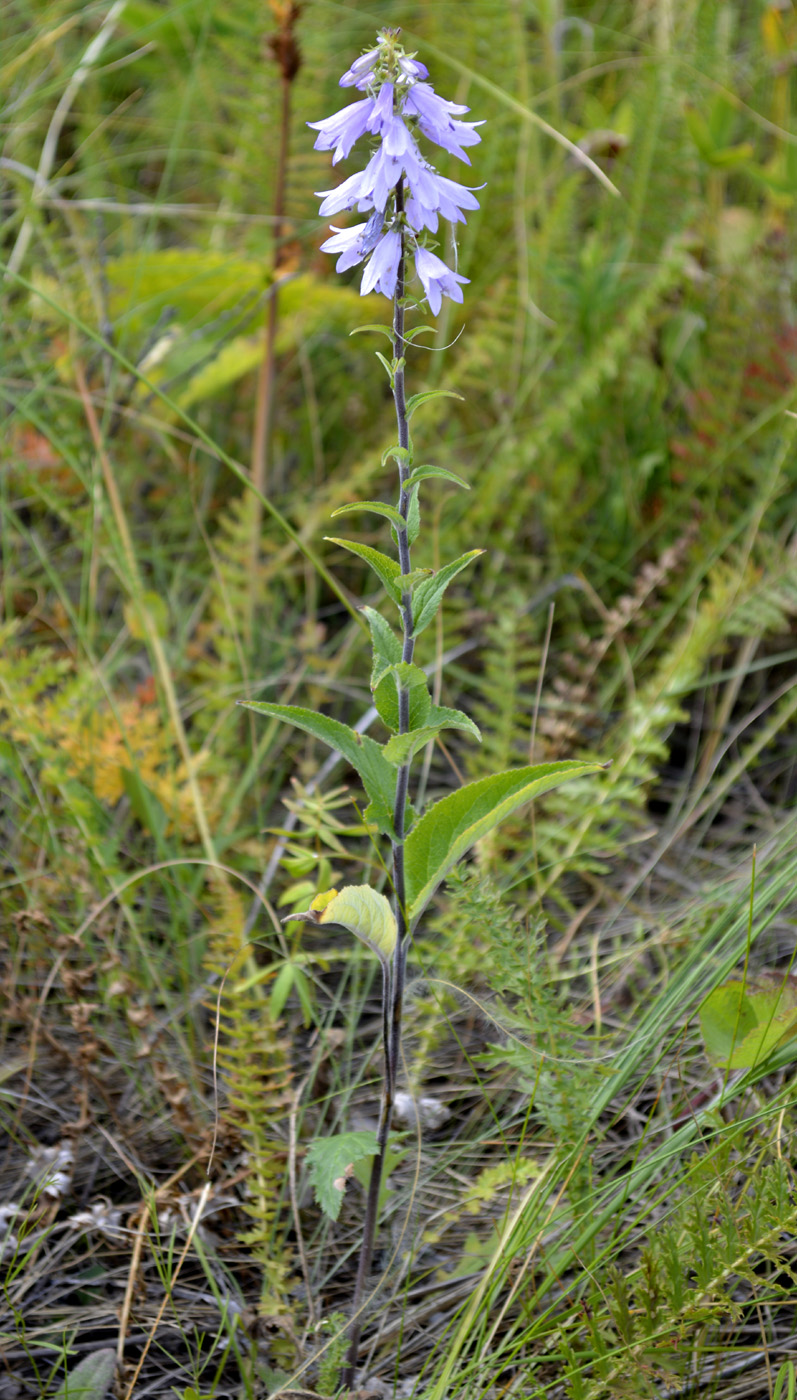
(714, 1260)
(254, 1063)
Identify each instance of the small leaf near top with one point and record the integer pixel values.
(430, 473)
(415, 401)
(376, 507)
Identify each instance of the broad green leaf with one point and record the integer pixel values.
(386, 569)
(376, 507)
(430, 473)
(364, 755)
(429, 594)
(416, 400)
(363, 911)
(744, 1020)
(91, 1378)
(332, 1162)
(451, 826)
(410, 678)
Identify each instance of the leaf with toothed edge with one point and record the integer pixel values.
(332, 1162)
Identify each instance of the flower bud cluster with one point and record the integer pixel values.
(399, 102)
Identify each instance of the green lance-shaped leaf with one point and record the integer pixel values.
(377, 774)
(451, 826)
(431, 473)
(416, 400)
(744, 1020)
(385, 568)
(372, 326)
(375, 507)
(332, 1161)
(402, 747)
(363, 911)
(428, 595)
(386, 644)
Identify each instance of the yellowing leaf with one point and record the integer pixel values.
(362, 911)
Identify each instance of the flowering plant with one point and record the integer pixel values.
(404, 197)
(400, 190)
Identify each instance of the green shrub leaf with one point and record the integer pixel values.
(451, 826)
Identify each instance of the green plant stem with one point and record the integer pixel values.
(393, 977)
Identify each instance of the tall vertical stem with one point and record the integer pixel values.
(393, 984)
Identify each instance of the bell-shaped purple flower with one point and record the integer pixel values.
(382, 271)
(353, 243)
(339, 132)
(360, 72)
(436, 118)
(438, 279)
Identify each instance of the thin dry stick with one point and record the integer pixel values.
(201, 1203)
(286, 52)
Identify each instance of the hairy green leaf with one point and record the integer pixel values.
(402, 747)
(451, 826)
(91, 1378)
(430, 473)
(402, 675)
(415, 401)
(364, 755)
(429, 594)
(376, 507)
(359, 909)
(383, 330)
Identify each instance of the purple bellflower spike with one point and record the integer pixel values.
(437, 279)
(399, 103)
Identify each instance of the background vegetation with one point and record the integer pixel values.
(584, 1205)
